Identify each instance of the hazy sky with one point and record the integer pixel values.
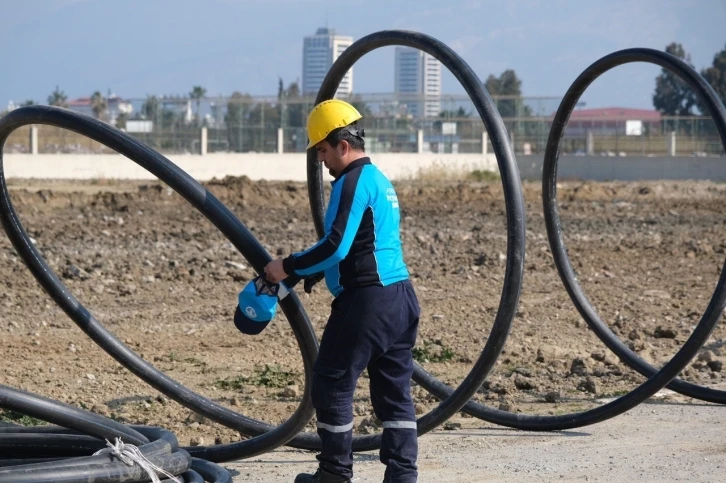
(140, 47)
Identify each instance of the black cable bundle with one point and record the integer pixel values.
(80, 446)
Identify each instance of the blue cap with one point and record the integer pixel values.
(257, 305)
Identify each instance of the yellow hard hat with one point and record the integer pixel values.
(329, 116)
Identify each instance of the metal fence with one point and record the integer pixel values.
(393, 123)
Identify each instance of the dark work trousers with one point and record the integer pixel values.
(373, 328)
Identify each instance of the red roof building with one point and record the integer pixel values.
(115, 106)
(610, 121)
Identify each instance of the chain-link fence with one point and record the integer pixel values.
(393, 123)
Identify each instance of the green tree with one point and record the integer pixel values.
(237, 108)
(150, 107)
(121, 120)
(672, 96)
(293, 115)
(262, 122)
(164, 120)
(507, 84)
(466, 126)
(296, 111)
(291, 107)
(197, 93)
(28, 102)
(99, 105)
(507, 93)
(716, 76)
(58, 98)
(460, 112)
(458, 116)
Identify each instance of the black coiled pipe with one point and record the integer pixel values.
(553, 224)
(514, 201)
(658, 378)
(267, 437)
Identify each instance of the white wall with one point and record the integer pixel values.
(627, 168)
(255, 166)
(397, 166)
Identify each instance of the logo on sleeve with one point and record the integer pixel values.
(392, 198)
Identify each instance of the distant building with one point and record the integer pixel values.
(115, 107)
(418, 82)
(613, 121)
(319, 53)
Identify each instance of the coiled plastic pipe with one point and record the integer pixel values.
(269, 437)
(658, 378)
(514, 201)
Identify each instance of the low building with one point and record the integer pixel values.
(613, 121)
(115, 107)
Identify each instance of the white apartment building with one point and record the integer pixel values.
(319, 53)
(418, 82)
(115, 107)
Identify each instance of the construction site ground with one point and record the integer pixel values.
(165, 282)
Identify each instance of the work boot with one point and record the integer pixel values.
(320, 476)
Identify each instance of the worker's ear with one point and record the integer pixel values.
(344, 147)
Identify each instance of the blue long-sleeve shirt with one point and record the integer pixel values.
(362, 244)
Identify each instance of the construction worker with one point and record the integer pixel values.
(375, 313)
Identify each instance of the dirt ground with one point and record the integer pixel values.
(161, 278)
(654, 442)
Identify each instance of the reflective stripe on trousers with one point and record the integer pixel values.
(336, 429)
(400, 425)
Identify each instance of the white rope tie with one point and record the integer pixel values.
(130, 454)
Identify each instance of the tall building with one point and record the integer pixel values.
(319, 53)
(418, 81)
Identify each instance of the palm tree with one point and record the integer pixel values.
(98, 104)
(150, 107)
(197, 93)
(58, 98)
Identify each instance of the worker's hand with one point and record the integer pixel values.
(310, 282)
(274, 272)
